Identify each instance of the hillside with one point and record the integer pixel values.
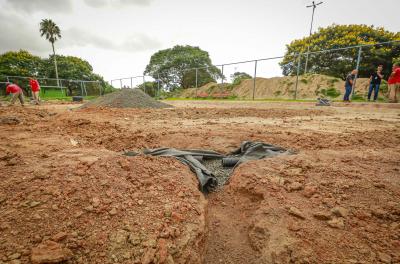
(309, 87)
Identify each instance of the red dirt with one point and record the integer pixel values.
(67, 193)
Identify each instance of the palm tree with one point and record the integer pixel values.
(52, 32)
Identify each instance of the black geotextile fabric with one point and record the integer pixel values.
(247, 151)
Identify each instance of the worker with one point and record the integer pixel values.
(35, 87)
(394, 84)
(375, 82)
(16, 92)
(349, 85)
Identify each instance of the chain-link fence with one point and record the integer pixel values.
(55, 88)
(254, 79)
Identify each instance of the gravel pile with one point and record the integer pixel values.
(221, 173)
(126, 98)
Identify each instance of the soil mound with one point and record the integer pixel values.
(310, 86)
(126, 98)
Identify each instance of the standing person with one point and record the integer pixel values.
(375, 82)
(394, 84)
(35, 87)
(16, 92)
(348, 85)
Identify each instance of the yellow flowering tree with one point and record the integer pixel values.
(340, 62)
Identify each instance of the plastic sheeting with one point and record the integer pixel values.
(193, 158)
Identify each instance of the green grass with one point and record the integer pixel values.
(53, 94)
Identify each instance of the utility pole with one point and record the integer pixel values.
(314, 6)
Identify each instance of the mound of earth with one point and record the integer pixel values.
(126, 98)
(309, 87)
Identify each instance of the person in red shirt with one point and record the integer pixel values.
(16, 92)
(394, 84)
(35, 87)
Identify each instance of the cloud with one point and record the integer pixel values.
(17, 34)
(117, 3)
(32, 6)
(81, 38)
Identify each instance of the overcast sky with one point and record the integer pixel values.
(118, 36)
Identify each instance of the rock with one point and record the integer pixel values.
(33, 204)
(14, 256)
(50, 252)
(336, 223)
(73, 142)
(140, 202)
(324, 216)
(339, 211)
(385, 258)
(309, 191)
(59, 236)
(148, 256)
(9, 120)
(95, 202)
(379, 185)
(295, 186)
(379, 213)
(113, 211)
(296, 212)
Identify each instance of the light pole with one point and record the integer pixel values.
(314, 6)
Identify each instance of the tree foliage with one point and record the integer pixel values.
(340, 63)
(171, 67)
(237, 77)
(69, 67)
(22, 63)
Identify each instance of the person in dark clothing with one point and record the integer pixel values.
(349, 85)
(375, 82)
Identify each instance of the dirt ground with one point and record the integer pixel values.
(68, 195)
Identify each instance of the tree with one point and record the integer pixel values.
(172, 66)
(52, 32)
(237, 77)
(19, 63)
(69, 67)
(150, 88)
(340, 63)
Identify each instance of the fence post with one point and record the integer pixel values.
(255, 76)
(131, 83)
(297, 75)
(81, 88)
(197, 82)
(222, 82)
(144, 84)
(357, 67)
(120, 82)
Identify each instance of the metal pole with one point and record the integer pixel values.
(120, 81)
(357, 67)
(144, 84)
(131, 83)
(297, 75)
(255, 76)
(84, 88)
(81, 88)
(314, 6)
(222, 82)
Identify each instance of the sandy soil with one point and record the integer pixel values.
(309, 87)
(67, 194)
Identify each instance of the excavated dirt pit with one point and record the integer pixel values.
(68, 194)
